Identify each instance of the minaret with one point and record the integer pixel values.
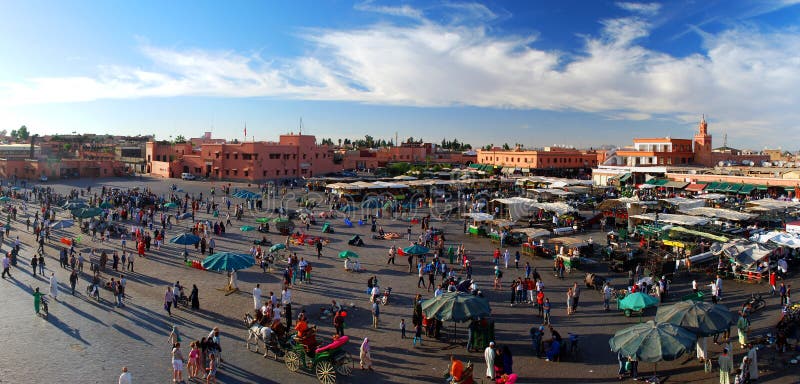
(702, 145)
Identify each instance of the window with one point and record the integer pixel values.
(277, 172)
(274, 156)
(247, 156)
(265, 173)
(227, 156)
(227, 172)
(236, 156)
(303, 171)
(246, 173)
(304, 156)
(217, 155)
(235, 172)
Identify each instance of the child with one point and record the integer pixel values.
(402, 328)
(212, 369)
(417, 334)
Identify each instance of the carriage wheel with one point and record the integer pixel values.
(345, 366)
(292, 360)
(326, 374)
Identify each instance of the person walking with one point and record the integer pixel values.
(73, 281)
(168, 297)
(725, 367)
(376, 313)
(53, 286)
(194, 299)
(489, 356)
(34, 264)
(41, 264)
(743, 327)
(338, 323)
(546, 308)
(125, 377)
(177, 364)
(392, 253)
(417, 334)
(7, 266)
(37, 300)
(365, 356)
(257, 297)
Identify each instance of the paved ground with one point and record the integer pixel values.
(87, 342)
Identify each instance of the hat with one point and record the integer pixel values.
(491, 343)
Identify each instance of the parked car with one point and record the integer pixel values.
(43, 178)
(187, 176)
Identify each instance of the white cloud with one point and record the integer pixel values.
(646, 9)
(402, 11)
(745, 78)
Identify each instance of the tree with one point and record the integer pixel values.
(179, 139)
(3, 133)
(22, 133)
(506, 147)
(13, 134)
(340, 143)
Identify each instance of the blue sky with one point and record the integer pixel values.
(581, 73)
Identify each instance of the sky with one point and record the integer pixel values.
(539, 73)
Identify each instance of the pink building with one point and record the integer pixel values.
(292, 156)
(415, 153)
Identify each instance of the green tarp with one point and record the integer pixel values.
(746, 189)
(762, 187)
(456, 306)
(704, 319)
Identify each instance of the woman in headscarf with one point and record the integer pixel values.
(366, 357)
(508, 361)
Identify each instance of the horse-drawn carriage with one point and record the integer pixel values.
(325, 361)
(273, 334)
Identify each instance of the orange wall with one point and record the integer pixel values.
(560, 158)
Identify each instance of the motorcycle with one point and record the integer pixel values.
(386, 293)
(755, 302)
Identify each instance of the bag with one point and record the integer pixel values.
(499, 274)
(628, 365)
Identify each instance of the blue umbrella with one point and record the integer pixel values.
(416, 249)
(185, 239)
(245, 194)
(228, 261)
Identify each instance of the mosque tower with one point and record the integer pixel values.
(702, 145)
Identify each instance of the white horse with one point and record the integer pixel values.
(255, 333)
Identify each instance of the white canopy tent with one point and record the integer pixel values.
(720, 213)
(779, 238)
(772, 204)
(685, 220)
(478, 216)
(712, 196)
(744, 252)
(684, 203)
(532, 233)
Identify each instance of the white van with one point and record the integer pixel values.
(187, 176)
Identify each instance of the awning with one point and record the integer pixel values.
(473, 165)
(526, 170)
(746, 189)
(625, 177)
(733, 188)
(698, 233)
(762, 187)
(676, 184)
(658, 182)
(712, 187)
(695, 187)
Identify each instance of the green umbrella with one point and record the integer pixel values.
(637, 301)
(277, 247)
(83, 213)
(247, 228)
(170, 205)
(701, 318)
(456, 306)
(652, 342)
(416, 249)
(5, 198)
(263, 220)
(228, 261)
(105, 205)
(347, 254)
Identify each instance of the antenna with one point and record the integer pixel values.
(301, 126)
